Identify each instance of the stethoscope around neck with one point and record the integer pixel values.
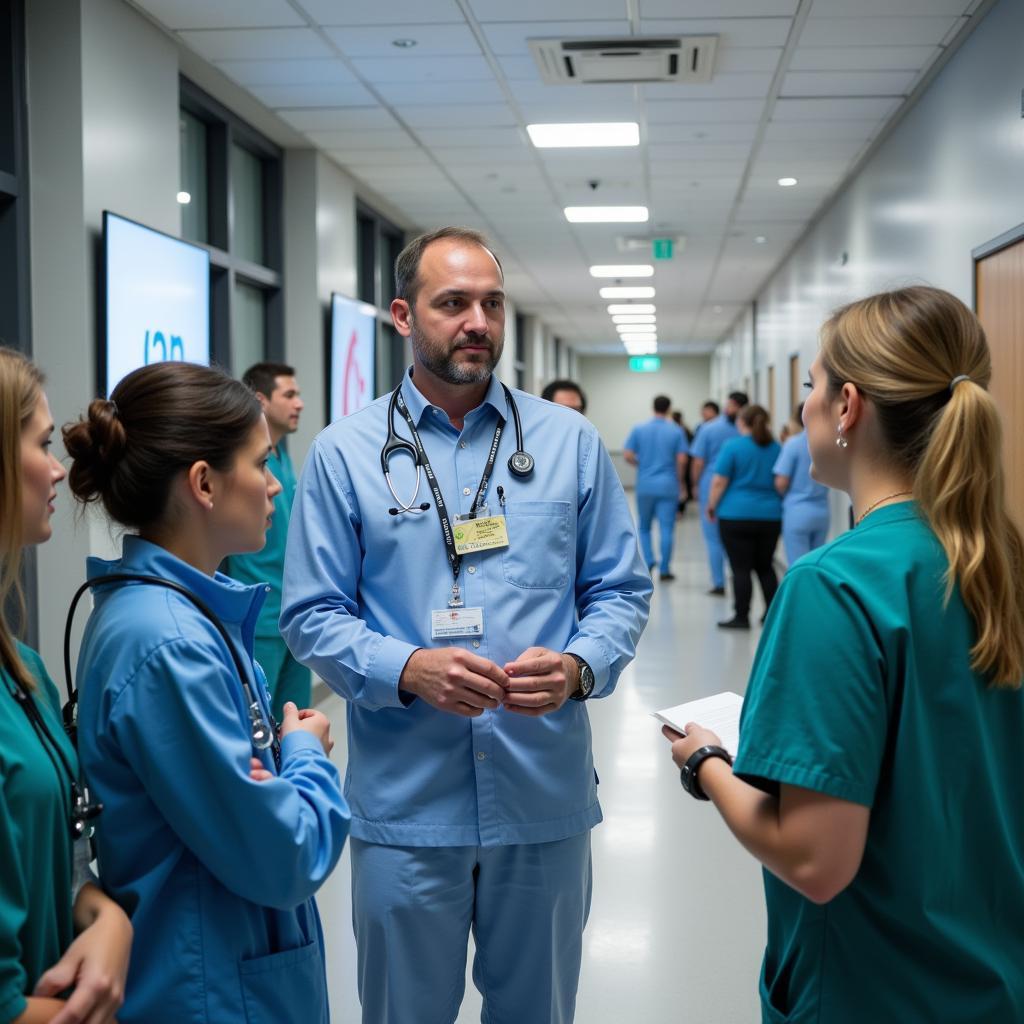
(520, 463)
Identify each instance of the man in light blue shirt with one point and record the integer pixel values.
(805, 511)
(658, 449)
(466, 648)
(706, 446)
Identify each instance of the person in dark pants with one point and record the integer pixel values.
(749, 511)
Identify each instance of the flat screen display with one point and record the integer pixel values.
(353, 356)
(156, 300)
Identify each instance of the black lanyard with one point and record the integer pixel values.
(454, 558)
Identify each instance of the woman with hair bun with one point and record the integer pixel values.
(216, 835)
(878, 777)
(40, 957)
(749, 510)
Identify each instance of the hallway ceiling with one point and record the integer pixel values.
(800, 88)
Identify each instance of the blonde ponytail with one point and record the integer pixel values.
(908, 352)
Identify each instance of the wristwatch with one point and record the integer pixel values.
(586, 687)
(688, 773)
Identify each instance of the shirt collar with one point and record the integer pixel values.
(418, 405)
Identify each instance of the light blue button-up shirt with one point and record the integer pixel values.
(360, 584)
(707, 444)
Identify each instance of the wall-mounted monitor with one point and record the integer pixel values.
(156, 300)
(352, 356)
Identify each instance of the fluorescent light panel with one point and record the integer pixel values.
(638, 337)
(606, 214)
(568, 136)
(623, 270)
(632, 307)
(634, 318)
(628, 292)
(636, 328)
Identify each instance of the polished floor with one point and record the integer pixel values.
(677, 925)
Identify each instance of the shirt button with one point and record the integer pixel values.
(465, 490)
(481, 756)
(462, 444)
(476, 643)
(471, 568)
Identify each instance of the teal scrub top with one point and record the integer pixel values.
(35, 842)
(862, 689)
(749, 467)
(267, 565)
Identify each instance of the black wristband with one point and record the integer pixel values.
(688, 773)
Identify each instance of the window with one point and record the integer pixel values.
(378, 243)
(231, 200)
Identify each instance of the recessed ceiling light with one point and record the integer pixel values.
(623, 270)
(184, 198)
(638, 337)
(634, 318)
(760, 239)
(632, 307)
(787, 182)
(638, 349)
(606, 214)
(403, 44)
(567, 136)
(628, 292)
(636, 328)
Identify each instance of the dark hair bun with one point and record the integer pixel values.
(96, 444)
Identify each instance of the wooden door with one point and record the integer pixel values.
(999, 291)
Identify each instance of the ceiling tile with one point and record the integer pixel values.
(754, 85)
(341, 119)
(431, 40)
(277, 96)
(834, 108)
(409, 94)
(823, 131)
(672, 151)
(326, 71)
(848, 83)
(520, 69)
(360, 138)
(871, 31)
(480, 137)
(423, 69)
(395, 14)
(183, 14)
(700, 111)
(494, 156)
(454, 115)
(862, 58)
(544, 10)
(731, 31)
(512, 39)
(888, 8)
(659, 132)
(731, 59)
(256, 43)
(413, 156)
(719, 8)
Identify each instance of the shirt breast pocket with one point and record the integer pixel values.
(540, 549)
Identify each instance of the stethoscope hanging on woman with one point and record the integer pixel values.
(263, 733)
(520, 463)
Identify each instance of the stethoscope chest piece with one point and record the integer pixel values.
(520, 464)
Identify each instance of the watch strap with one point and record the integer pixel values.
(586, 686)
(688, 773)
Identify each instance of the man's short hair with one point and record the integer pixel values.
(548, 394)
(740, 398)
(262, 377)
(407, 266)
(662, 404)
(710, 404)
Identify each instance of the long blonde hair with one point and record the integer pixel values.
(904, 350)
(21, 383)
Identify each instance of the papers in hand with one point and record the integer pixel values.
(720, 714)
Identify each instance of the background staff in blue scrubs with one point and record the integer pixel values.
(805, 511)
(49, 945)
(878, 773)
(470, 772)
(214, 849)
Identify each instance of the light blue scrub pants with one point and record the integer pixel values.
(412, 910)
(803, 531)
(664, 509)
(712, 541)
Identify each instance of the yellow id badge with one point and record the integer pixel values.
(473, 535)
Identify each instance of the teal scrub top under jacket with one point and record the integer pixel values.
(266, 566)
(216, 871)
(749, 467)
(35, 842)
(862, 689)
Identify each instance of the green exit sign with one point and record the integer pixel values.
(662, 248)
(645, 364)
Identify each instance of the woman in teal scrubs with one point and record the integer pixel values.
(40, 957)
(878, 776)
(216, 839)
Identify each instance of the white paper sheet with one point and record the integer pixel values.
(719, 713)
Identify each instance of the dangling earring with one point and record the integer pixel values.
(841, 441)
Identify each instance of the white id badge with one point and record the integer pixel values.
(448, 623)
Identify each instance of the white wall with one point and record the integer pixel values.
(617, 399)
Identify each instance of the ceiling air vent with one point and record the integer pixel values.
(599, 61)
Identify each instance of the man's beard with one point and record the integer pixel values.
(438, 360)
